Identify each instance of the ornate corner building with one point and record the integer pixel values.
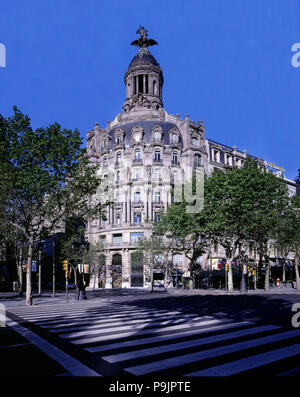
(141, 154)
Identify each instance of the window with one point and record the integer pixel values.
(174, 158)
(157, 216)
(228, 159)
(119, 140)
(216, 155)
(136, 236)
(117, 238)
(105, 161)
(137, 217)
(118, 157)
(117, 176)
(137, 173)
(157, 136)
(118, 219)
(197, 160)
(137, 197)
(175, 139)
(177, 259)
(157, 197)
(157, 155)
(137, 155)
(140, 82)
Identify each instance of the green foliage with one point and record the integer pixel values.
(48, 176)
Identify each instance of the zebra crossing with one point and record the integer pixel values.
(149, 341)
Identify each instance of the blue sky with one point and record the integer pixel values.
(226, 62)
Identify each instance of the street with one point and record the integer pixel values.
(139, 333)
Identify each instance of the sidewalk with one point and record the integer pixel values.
(10, 299)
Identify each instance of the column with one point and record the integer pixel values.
(126, 269)
(108, 278)
(137, 83)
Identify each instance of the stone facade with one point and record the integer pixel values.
(141, 153)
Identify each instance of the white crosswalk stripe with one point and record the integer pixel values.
(146, 341)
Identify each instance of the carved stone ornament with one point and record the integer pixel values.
(92, 146)
(141, 101)
(119, 133)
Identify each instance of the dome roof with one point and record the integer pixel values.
(143, 59)
(147, 126)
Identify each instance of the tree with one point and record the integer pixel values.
(154, 250)
(49, 178)
(244, 205)
(95, 258)
(186, 231)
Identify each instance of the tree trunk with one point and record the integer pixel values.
(283, 273)
(230, 275)
(28, 274)
(191, 282)
(297, 271)
(152, 281)
(94, 286)
(267, 276)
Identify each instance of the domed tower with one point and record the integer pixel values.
(143, 78)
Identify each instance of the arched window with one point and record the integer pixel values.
(157, 136)
(154, 88)
(175, 138)
(104, 161)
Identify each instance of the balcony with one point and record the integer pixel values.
(121, 244)
(137, 224)
(118, 204)
(175, 163)
(137, 203)
(157, 161)
(158, 203)
(137, 161)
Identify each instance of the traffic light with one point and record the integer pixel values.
(253, 272)
(248, 268)
(65, 265)
(226, 267)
